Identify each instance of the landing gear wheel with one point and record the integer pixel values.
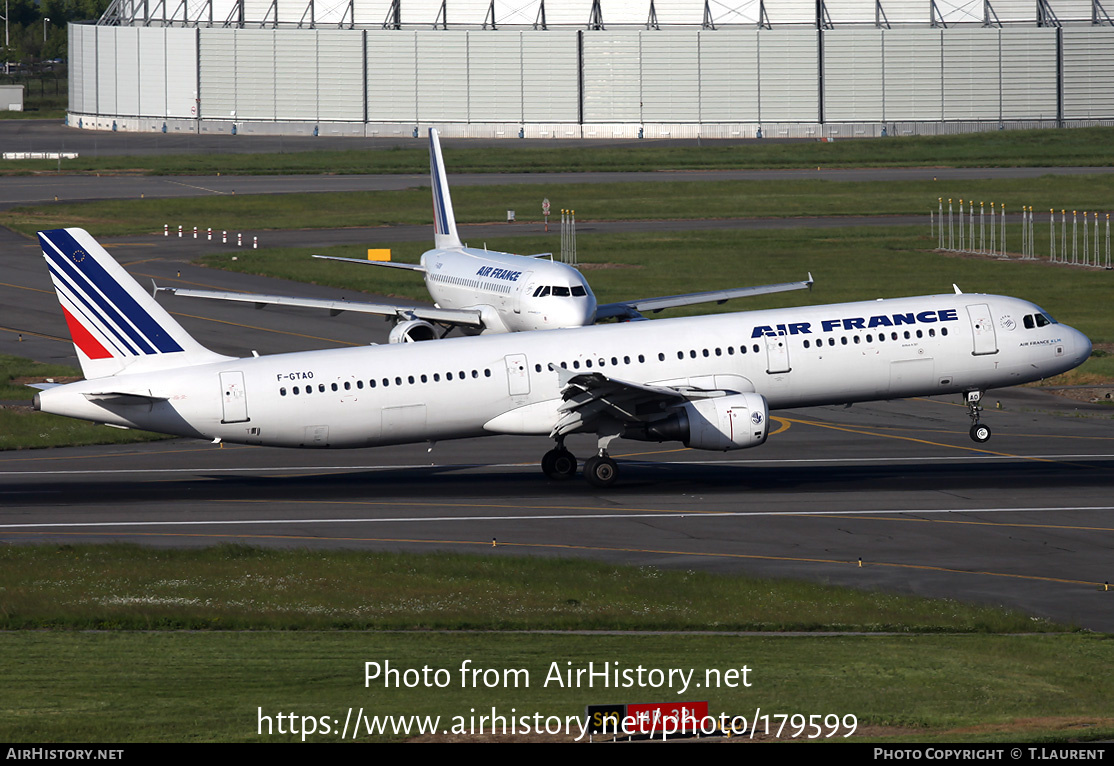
(559, 464)
(980, 433)
(600, 471)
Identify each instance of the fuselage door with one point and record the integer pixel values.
(518, 374)
(523, 288)
(982, 329)
(234, 397)
(777, 354)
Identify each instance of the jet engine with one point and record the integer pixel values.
(723, 423)
(412, 331)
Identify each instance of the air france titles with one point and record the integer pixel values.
(493, 273)
(858, 323)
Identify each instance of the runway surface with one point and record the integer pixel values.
(1022, 521)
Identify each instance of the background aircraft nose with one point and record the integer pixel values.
(1082, 346)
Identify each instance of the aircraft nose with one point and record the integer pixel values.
(1082, 346)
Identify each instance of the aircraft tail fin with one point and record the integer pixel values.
(444, 225)
(115, 325)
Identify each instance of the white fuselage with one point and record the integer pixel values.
(516, 293)
(505, 383)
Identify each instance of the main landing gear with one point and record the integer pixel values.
(979, 432)
(559, 463)
(599, 470)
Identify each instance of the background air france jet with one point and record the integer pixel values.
(708, 382)
(485, 291)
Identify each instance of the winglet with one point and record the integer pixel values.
(444, 225)
(956, 288)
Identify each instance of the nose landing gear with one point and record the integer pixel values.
(979, 432)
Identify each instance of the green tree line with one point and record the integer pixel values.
(36, 29)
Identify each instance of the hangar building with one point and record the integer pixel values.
(593, 68)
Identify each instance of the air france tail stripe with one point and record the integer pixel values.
(83, 280)
(137, 322)
(84, 340)
(79, 289)
(89, 314)
(440, 219)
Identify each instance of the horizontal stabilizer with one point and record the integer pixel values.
(122, 398)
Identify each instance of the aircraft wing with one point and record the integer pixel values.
(388, 264)
(588, 397)
(460, 317)
(633, 309)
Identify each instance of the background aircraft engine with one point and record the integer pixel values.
(412, 331)
(724, 423)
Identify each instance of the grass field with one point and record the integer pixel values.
(1043, 148)
(201, 642)
(676, 200)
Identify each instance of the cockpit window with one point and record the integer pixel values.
(579, 291)
(542, 291)
(561, 292)
(1038, 320)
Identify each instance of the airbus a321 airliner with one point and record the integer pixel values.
(485, 291)
(708, 382)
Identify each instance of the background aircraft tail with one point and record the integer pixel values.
(115, 325)
(444, 225)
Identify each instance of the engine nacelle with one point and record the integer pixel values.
(724, 423)
(412, 331)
